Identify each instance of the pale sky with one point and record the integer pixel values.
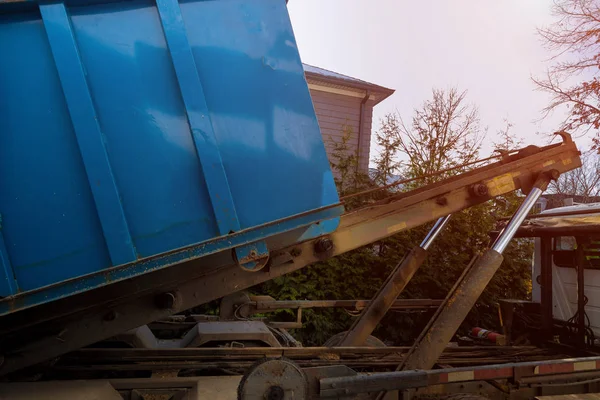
(489, 48)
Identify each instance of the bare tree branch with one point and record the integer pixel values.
(444, 132)
(575, 41)
(584, 181)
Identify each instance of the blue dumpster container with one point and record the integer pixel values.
(139, 134)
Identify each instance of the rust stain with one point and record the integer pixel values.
(396, 227)
(501, 184)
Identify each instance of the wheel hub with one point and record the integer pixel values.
(274, 379)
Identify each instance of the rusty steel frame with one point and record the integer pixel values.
(241, 306)
(519, 373)
(44, 332)
(262, 306)
(338, 381)
(88, 355)
(202, 359)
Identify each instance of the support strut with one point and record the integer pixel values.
(463, 298)
(372, 315)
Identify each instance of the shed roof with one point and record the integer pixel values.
(340, 80)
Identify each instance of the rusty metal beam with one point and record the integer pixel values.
(524, 372)
(411, 209)
(42, 333)
(254, 353)
(380, 358)
(262, 306)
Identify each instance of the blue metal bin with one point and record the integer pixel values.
(139, 134)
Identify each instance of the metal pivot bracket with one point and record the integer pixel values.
(252, 257)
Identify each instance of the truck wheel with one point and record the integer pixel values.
(333, 341)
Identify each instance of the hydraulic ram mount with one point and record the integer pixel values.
(42, 333)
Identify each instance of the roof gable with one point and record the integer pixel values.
(335, 79)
